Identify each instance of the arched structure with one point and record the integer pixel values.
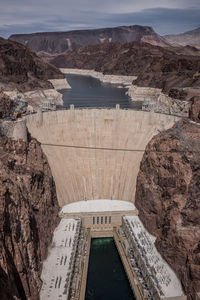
(96, 153)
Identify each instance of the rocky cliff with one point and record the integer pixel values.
(154, 66)
(23, 70)
(194, 112)
(6, 105)
(59, 42)
(168, 199)
(28, 217)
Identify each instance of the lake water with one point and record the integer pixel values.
(90, 92)
(106, 278)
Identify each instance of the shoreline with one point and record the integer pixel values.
(152, 99)
(113, 79)
(60, 84)
(36, 97)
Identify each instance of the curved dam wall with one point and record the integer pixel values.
(95, 153)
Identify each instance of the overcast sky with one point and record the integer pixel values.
(165, 16)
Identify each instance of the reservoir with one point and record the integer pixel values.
(106, 278)
(90, 92)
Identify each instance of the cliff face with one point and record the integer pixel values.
(168, 199)
(6, 105)
(194, 112)
(28, 217)
(155, 66)
(59, 42)
(23, 70)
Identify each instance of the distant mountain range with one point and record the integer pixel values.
(54, 43)
(61, 42)
(128, 50)
(191, 38)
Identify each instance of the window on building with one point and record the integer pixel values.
(109, 219)
(93, 220)
(97, 220)
(105, 219)
(101, 220)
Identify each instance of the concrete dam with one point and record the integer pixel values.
(96, 153)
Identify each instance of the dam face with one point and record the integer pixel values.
(95, 153)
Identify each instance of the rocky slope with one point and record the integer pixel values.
(191, 38)
(168, 199)
(28, 217)
(6, 105)
(194, 112)
(23, 70)
(59, 42)
(155, 66)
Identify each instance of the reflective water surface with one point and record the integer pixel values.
(90, 92)
(106, 279)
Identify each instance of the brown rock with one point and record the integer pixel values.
(28, 217)
(6, 105)
(23, 70)
(168, 199)
(194, 112)
(154, 66)
(61, 42)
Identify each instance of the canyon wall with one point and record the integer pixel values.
(23, 70)
(95, 153)
(153, 66)
(28, 217)
(168, 198)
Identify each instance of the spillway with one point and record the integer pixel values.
(95, 153)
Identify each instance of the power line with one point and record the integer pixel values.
(93, 148)
(119, 149)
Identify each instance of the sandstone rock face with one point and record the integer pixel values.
(60, 42)
(23, 70)
(168, 199)
(28, 217)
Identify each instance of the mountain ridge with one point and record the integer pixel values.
(59, 42)
(22, 69)
(191, 38)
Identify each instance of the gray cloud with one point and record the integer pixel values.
(22, 16)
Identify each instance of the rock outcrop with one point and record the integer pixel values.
(28, 217)
(153, 99)
(154, 66)
(6, 105)
(168, 199)
(61, 42)
(23, 70)
(194, 112)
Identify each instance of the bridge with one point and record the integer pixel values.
(96, 153)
